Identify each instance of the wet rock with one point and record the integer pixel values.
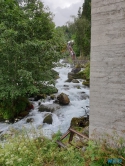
(66, 85)
(56, 101)
(39, 96)
(76, 70)
(75, 81)
(52, 97)
(48, 108)
(1, 132)
(63, 99)
(72, 75)
(86, 83)
(44, 108)
(66, 89)
(79, 122)
(78, 87)
(39, 103)
(16, 119)
(68, 80)
(84, 96)
(29, 120)
(48, 119)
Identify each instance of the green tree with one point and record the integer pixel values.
(82, 29)
(86, 10)
(28, 48)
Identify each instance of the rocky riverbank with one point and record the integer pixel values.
(69, 102)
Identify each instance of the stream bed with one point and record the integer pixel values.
(79, 99)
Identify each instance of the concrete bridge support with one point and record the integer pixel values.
(107, 78)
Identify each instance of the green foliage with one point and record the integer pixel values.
(85, 74)
(86, 9)
(53, 74)
(82, 37)
(10, 109)
(87, 71)
(98, 153)
(29, 44)
(21, 150)
(48, 90)
(80, 30)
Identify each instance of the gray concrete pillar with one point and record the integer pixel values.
(107, 76)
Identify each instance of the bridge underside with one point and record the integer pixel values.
(107, 78)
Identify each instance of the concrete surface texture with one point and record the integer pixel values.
(107, 77)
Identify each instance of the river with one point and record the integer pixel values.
(61, 117)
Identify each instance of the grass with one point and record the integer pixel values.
(21, 150)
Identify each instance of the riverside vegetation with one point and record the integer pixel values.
(21, 150)
(29, 46)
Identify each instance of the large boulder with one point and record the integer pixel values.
(76, 70)
(63, 99)
(72, 75)
(48, 119)
(48, 108)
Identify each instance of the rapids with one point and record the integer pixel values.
(61, 117)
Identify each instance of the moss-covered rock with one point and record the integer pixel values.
(52, 97)
(79, 122)
(48, 119)
(63, 99)
(86, 83)
(44, 108)
(75, 81)
(72, 76)
(49, 107)
(40, 96)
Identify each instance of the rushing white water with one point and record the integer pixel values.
(61, 117)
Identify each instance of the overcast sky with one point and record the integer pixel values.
(63, 9)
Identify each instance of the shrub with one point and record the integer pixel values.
(11, 109)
